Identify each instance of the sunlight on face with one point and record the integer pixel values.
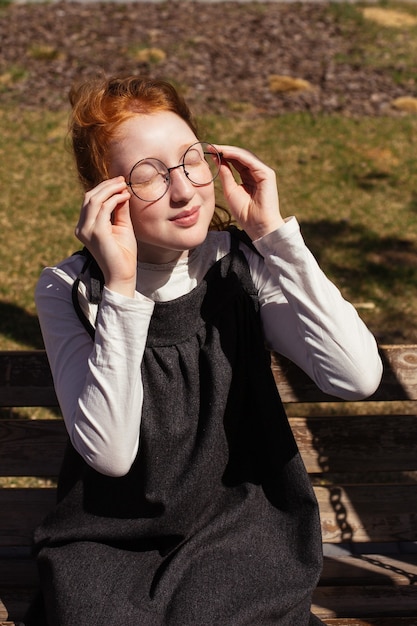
(167, 228)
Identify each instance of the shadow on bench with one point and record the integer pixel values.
(362, 458)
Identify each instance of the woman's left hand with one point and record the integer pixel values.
(254, 201)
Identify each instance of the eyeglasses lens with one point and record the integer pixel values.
(201, 163)
(149, 180)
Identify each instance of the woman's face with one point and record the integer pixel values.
(165, 229)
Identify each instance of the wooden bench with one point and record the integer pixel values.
(361, 457)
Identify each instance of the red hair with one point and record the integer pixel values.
(98, 109)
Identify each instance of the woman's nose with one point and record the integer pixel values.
(181, 187)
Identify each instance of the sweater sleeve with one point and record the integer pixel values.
(306, 319)
(98, 385)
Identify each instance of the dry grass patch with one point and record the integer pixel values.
(280, 84)
(389, 17)
(149, 55)
(379, 158)
(408, 104)
(44, 52)
(12, 75)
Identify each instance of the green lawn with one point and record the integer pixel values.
(352, 183)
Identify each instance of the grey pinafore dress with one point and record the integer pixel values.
(216, 523)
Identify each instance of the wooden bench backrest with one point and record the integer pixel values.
(362, 458)
(340, 450)
(330, 445)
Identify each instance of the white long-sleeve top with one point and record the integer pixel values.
(99, 385)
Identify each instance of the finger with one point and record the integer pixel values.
(231, 186)
(117, 203)
(102, 200)
(226, 172)
(99, 220)
(121, 214)
(241, 155)
(240, 180)
(105, 189)
(246, 163)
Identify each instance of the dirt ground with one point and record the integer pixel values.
(221, 55)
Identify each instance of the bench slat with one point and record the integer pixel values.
(368, 513)
(14, 603)
(366, 601)
(369, 569)
(31, 447)
(328, 602)
(21, 510)
(399, 380)
(378, 621)
(20, 607)
(36, 447)
(359, 513)
(392, 439)
(25, 378)
(18, 572)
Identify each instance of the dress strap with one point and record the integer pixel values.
(90, 273)
(240, 236)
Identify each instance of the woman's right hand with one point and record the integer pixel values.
(105, 228)
(253, 201)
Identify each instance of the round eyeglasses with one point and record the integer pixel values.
(149, 178)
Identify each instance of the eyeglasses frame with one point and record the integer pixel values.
(175, 167)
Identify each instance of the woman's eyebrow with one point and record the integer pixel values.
(185, 147)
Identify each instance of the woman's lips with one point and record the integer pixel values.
(186, 218)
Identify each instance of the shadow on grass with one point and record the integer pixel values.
(374, 270)
(20, 326)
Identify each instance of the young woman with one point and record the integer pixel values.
(183, 500)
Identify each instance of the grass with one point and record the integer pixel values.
(38, 209)
(383, 37)
(351, 183)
